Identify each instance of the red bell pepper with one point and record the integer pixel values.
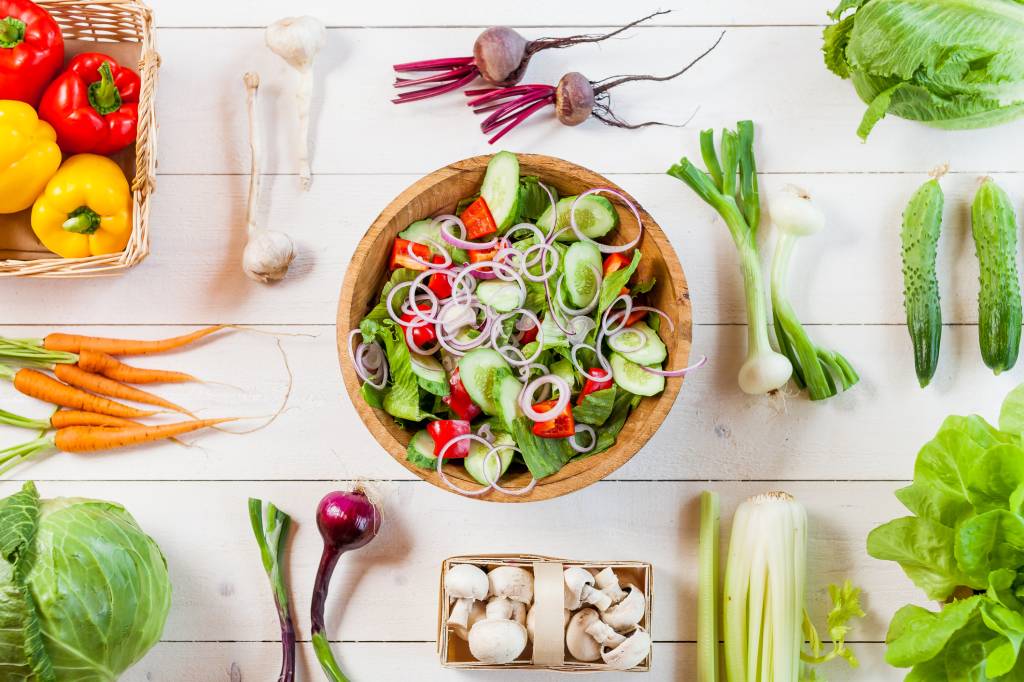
(93, 105)
(422, 335)
(529, 336)
(400, 257)
(478, 220)
(31, 50)
(458, 400)
(561, 426)
(636, 316)
(614, 262)
(444, 430)
(592, 386)
(439, 282)
(481, 255)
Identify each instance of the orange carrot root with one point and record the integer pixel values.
(92, 439)
(76, 343)
(42, 387)
(112, 368)
(75, 376)
(64, 418)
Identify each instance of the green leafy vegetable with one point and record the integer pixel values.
(543, 456)
(643, 286)
(270, 526)
(533, 200)
(84, 593)
(596, 407)
(607, 434)
(402, 399)
(380, 311)
(613, 283)
(950, 64)
(964, 546)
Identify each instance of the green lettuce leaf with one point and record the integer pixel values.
(595, 408)
(380, 311)
(613, 283)
(924, 549)
(402, 399)
(987, 542)
(1011, 415)
(917, 635)
(543, 456)
(609, 433)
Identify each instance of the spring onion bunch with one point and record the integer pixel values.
(817, 369)
(730, 186)
(270, 525)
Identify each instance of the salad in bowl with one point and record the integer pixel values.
(515, 332)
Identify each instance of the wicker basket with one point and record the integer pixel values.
(124, 29)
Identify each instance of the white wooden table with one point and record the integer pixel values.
(843, 459)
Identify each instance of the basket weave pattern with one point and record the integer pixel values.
(110, 21)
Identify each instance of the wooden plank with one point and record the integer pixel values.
(388, 590)
(204, 661)
(354, 88)
(712, 432)
(467, 13)
(850, 274)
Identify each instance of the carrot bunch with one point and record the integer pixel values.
(86, 385)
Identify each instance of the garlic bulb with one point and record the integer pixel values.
(297, 40)
(268, 253)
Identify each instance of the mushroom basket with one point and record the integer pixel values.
(607, 628)
(438, 193)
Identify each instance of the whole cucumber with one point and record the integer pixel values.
(994, 224)
(922, 222)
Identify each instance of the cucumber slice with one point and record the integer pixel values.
(582, 269)
(429, 374)
(595, 216)
(500, 189)
(429, 232)
(482, 371)
(652, 352)
(631, 377)
(502, 296)
(421, 450)
(476, 460)
(508, 399)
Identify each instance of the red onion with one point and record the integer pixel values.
(356, 354)
(347, 521)
(656, 311)
(579, 367)
(459, 241)
(543, 249)
(607, 248)
(610, 314)
(526, 398)
(676, 372)
(440, 464)
(497, 327)
(494, 456)
(583, 428)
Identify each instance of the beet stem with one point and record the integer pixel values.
(426, 93)
(535, 46)
(440, 77)
(607, 84)
(519, 119)
(434, 64)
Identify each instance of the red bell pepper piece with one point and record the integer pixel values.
(458, 400)
(478, 220)
(439, 282)
(591, 386)
(93, 105)
(636, 316)
(481, 255)
(31, 50)
(614, 262)
(400, 257)
(444, 430)
(561, 426)
(422, 335)
(529, 336)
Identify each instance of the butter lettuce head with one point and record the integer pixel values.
(948, 63)
(84, 592)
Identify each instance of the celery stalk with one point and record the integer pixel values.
(707, 605)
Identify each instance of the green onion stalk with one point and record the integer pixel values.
(270, 525)
(730, 187)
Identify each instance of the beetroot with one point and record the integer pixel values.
(500, 57)
(575, 99)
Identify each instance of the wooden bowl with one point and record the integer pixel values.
(438, 193)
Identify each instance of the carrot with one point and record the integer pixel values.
(91, 439)
(76, 343)
(112, 368)
(63, 418)
(40, 386)
(78, 377)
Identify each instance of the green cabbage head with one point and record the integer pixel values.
(84, 593)
(949, 63)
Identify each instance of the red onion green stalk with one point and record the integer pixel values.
(270, 525)
(347, 521)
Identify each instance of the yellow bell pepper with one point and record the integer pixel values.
(86, 209)
(29, 155)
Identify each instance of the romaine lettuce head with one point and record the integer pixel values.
(84, 592)
(948, 63)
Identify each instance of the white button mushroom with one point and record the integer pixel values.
(465, 583)
(579, 590)
(531, 619)
(512, 583)
(497, 639)
(630, 653)
(608, 582)
(628, 612)
(603, 634)
(581, 645)
(476, 614)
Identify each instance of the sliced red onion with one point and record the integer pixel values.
(611, 315)
(459, 241)
(391, 305)
(525, 324)
(357, 355)
(373, 358)
(526, 370)
(581, 328)
(440, 250)
(412, 254)
(543, 249)
(526, 398)
(455, 315)
(579, 366)
(426, 316)
(618, 343)
(583, 428)
(493, 452)
(534, 231)
(657, 311)
(412, 344)
(607, 248)
(485, 432)
(496, 329)
(552, 310)
(440, 464)
(676, 372)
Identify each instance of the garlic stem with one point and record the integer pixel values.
(252, 85)
(305, 100)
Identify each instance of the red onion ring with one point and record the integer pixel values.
(676, 372)
(579, 366)
(460, 242)
(609, 314)
(496, 329)
(526, 398)
(440, 464)
(581, 328)
(356, 355)
(543, 250)
(494, 483)
(657, 311)
(412, 254)
(412, 344)
(607, 248)
(583, 428)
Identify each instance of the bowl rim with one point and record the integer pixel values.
(575, 475)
